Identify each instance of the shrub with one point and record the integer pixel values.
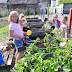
(34, 62)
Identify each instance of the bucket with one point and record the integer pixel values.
(27, 44)
(1, 58)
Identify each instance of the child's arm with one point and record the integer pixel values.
(60, 33)
(66, 34)
(52, 23)
(14, 36)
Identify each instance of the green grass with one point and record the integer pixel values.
(4, 32)
(4, 17)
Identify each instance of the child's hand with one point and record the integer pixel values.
(24, 25)
(25, 33)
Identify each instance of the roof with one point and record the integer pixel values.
(22, 1)
(3, 1)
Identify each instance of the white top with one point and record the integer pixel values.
(63, 29)
(17, 29)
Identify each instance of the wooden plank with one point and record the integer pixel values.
(1, 48)
(10, 56)
(10, 59)
(5, 56)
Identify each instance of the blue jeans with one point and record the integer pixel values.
(18, 43)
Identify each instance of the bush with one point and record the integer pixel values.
(6, 12)
(35, 62)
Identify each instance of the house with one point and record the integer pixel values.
(44, 3)
(3, 4)
(22, 4)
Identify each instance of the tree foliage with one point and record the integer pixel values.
(65, 1)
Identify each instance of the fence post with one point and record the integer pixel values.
(48, 12)
(43, 14)
(34, 13)
(39, 11)
(55, 10)
(70, 20)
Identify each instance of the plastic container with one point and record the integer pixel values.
(29, 32)
(29, 41)
(27, 44)
(1, 58)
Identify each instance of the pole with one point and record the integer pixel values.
(43, 14)
(48, 12)
(39, 11)
(70, 20)
(34, 13)
(55, 10)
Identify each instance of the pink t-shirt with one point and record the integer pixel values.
(17, 29)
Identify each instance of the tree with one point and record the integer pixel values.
(65, 1)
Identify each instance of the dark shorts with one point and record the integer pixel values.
(18, 43)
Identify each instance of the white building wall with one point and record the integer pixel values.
(59, 9)
(53, 2)
(57, 2)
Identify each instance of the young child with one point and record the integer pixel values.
(21, 22)
(45, 20)
(21, 16)
(47, 23)
(64, 28)
(16, 32)
(56, 22)
(24, 22)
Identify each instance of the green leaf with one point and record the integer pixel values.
(70, 65)
(32, 70)
(40, 51)
(45, 44)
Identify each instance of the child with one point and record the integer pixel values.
(47, 23)
(24, 23)
(45, 20)
(21, 16)
(16, 32)
(64, 28)
(21, 22)
(56, 22)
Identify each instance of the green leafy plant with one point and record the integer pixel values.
(36, 62)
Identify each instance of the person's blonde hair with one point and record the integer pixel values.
(11, 13)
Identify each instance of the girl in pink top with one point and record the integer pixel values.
(16, 32)
(56, 22)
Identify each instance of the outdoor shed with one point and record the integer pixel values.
(22, 4)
